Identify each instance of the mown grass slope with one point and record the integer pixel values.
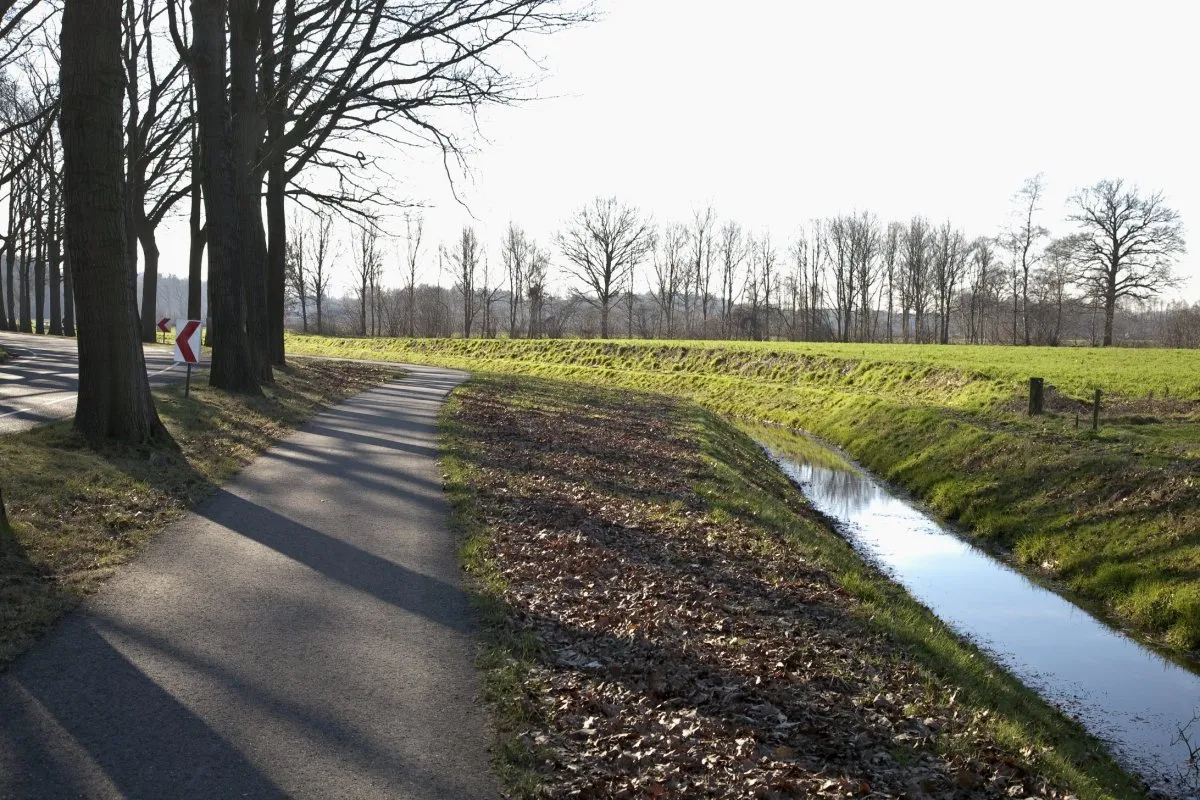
(1112, 517)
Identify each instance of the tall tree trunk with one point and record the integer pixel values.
(145, 234)
(114, 392)
(68, 293)
(196, 240)
(277, 261)
(39, 267)
(55, 261)
(276, 185)
(231, 368)
(10, 262)
(150, 256)
(1110, 310)
(604, 319)
(196, 228)
(23, 275)
(247, 129)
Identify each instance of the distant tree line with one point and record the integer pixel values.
(847, 278)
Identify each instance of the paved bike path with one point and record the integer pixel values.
(303, 633)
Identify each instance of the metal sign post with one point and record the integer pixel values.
(187, 350)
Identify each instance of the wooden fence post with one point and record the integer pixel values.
(1096, 411)
(1037, 395)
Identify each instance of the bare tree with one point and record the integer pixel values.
(669, 264)
(703, 228)
(157, 145)
(464, 260)
(948, 263)
(845, 276)
(603, 242)
(414, 229)
(732, 249)
(1129, 244)
(892, 239)
(916, 253)
(514, 251)
(539, 268)
(489, 294)
(297, 253)
(1022, 240)
(366, 272)
(982, 281)
(321, 266)
(114, 392)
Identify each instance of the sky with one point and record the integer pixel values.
(777, 112)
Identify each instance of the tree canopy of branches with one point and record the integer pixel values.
(602, 243)
(1128, 245)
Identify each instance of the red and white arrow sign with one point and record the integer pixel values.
(187, 343)
(164, 324)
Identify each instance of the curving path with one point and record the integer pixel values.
(303, 633)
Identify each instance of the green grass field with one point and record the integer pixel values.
(1112, 518)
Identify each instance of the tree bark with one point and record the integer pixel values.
(23, 277)
(68, 294)
(114, 392)
(1110, 309)
(196, 239)
(10, 263)
(231, 369)
(248, 130)
(39, 267)
(150, 256)
(145, 233)
(275, 95)
(277, 261)
(55, 262)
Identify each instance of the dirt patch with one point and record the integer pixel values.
(679, 651)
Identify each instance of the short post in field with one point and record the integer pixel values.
(1096, 411)
(1037, 396)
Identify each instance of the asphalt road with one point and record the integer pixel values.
(38, 384)
(303, 633)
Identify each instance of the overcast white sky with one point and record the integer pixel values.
(775, 112)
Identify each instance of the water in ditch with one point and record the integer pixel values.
(1121, 691)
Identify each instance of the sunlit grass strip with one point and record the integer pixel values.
(1108, 518)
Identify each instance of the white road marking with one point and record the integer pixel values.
(70, 396)
(42, 405)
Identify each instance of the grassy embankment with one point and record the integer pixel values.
(78, 513)
(665, 617)
(1113, 517)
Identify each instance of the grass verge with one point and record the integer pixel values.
(78, 513)
(1111, 518)
(666, 617)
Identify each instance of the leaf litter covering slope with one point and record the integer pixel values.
(679, 653)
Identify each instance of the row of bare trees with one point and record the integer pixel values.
(846, 278)
(854, 278)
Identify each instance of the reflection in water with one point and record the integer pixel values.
(1121, 691)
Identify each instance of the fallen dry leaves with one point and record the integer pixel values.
(678, 656)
